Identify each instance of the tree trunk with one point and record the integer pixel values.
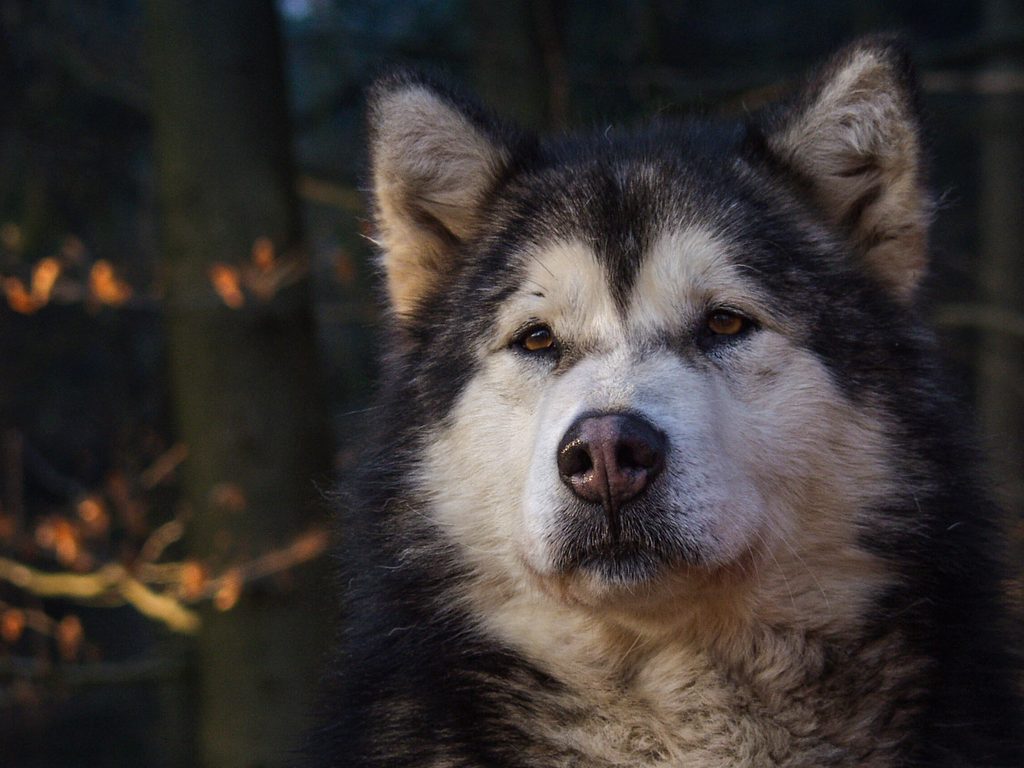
(1001, 363)
(246, 380)
(519, 61)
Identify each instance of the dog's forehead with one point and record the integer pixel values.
(678, 272)
(647, 219)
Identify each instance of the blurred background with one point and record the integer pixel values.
(188, 318)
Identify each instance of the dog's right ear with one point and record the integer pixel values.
(434, 159)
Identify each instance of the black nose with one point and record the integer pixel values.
(610, 458)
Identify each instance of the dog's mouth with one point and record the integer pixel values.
(621, 564)
(638, 551)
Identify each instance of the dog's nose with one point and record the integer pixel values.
(610, 458)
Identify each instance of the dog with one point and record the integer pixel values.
(663, 470)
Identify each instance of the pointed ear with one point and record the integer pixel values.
(434, 159)
(853, 136)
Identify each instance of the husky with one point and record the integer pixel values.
(664, 471)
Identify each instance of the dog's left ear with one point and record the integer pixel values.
(853, 137)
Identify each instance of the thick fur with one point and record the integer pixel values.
(812, 579)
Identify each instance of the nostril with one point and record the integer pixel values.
(575, 460)
(638, 454)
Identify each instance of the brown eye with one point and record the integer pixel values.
(536, 338)
(723, 323)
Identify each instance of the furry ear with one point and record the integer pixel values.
(853, 136)
(434, 159)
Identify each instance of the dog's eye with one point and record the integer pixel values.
(721, 327)
(535, 338)
(721, 322)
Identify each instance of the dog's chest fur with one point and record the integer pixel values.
(779, 700)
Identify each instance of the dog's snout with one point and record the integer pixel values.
(610, 458)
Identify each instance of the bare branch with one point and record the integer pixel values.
(166, 463)
(109, 580)
(115, 581)
(306, 547)
(160, 539)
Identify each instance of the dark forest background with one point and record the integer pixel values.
(187, 310)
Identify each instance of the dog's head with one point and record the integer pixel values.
(649, 358)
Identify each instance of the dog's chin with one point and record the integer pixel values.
(608, 574)
(622, 565)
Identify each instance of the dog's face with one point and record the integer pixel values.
(658, 360)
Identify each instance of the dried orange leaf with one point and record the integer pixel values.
(263, 255)
(12, 624)
(69, 637)
(18, 298)
(106, 287)
(93, 514)
(65, 542)
(227, 282)
(44, 276)
(230, 590)
(193, 580)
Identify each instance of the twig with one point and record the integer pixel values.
(160, 607)
(166, 463)
(306, 547)
(114, 580)
(160, 539)
(111, 579)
